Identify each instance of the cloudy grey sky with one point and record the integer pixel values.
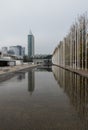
(49, 21)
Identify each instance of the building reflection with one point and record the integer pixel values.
(21, 76)
(76, 87)
(31, 77)
(44, 68)
(31, 81)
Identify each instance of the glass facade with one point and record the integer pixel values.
(30, 45)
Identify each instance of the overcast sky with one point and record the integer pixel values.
(49, 21)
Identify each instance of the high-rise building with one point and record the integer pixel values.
(30, 45)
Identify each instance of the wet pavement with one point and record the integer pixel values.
(44, 99)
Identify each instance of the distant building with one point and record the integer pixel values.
(4, 50)
(17, 50)
(30, 45)
(13, 56)
(23, 51)
(14, 50)
(45, 59)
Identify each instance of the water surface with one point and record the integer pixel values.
(44, 99)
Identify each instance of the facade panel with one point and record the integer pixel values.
(30, 45)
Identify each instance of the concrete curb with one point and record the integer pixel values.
(17, 69)
(83, 73)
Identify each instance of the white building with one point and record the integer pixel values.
(4, 50)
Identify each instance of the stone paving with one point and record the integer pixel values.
(10, 69)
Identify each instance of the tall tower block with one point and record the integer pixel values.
(30, 45)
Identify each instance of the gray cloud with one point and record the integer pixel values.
(49, 21)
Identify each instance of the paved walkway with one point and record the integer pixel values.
(6, 70)
(9, 69)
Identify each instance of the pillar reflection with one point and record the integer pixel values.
(76, 87)
(31, 81)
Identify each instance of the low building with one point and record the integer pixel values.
(7, 62)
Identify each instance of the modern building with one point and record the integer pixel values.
(23, 51)
(30, 44)
(17, 50)
(13, 56)
(14, 50)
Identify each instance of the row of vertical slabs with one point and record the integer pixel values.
(73, 49)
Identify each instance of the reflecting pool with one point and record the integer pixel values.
(44, 99)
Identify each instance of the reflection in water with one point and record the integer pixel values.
(6, 77)
(44, 68)
(48, 108)
(31, 77)
(31, 81)
(76, 87)
(21, 76)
